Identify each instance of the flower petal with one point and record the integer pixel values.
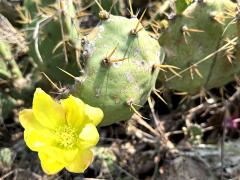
(64, 156)
(48, 112)
(28, 120)
(89, 136)
(74, 109)
(37, 140)
(94, 114)
(81, 162)
(49, 165)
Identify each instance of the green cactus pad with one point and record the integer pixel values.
(113, 86)
(12, 45)
(5, 55)
(201, 30)
(48, 16)
(7, 104)
(6, 158)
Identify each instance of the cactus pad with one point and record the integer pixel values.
(191, 43)
(119, 68)
(54, 37)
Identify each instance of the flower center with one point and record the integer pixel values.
(67, 136)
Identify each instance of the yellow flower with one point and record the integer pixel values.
(62, 133)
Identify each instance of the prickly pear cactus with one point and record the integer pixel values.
(119, 58)
(4, 53)
(8, 66)
(6, 158)
(7, 103)
(12, 45)
(54, 37)
(200, 42)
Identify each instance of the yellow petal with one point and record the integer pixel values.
(28, 120)
(81, 162)
(37, 140)
(94, 114)
(89, 136)
(64, 156)
(48, 112)
(74, 109)
(49, 165)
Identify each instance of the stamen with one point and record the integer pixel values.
(67, 136)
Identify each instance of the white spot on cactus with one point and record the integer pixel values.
(130, 77)
(110, 20)
(136, 90)
(101, 28)
(158, 54)
(200, 49)
(92, 45)
(98, 92)
(141, 64)
(161, 56)
(137, 53)
(89, 48)
(117, 64)
(99, 36)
